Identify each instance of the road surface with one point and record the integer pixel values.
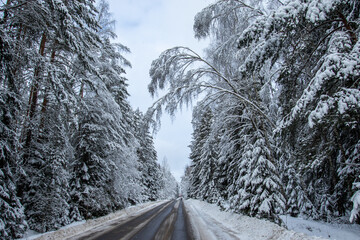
(167, 221)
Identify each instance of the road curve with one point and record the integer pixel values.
(167, 221)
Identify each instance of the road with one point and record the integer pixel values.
(167, 221)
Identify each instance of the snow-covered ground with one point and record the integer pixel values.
(211, 223)
(325, 230)
(75, 229)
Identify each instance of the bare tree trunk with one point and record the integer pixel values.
(349, 29)
(33, 98)
(81, 90)
(45, 100)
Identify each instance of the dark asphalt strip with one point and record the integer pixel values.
(150, 230)
(122, 230)
(181, 230)
(168, 221)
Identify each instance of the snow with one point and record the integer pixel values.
(355, 212)
(346, 99)
(78, 228)
(317, 10)
(209, 222)
(321, 229)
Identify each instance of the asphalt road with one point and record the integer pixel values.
(165, 222)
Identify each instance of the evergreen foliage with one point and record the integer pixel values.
(150, 170)
(280, 80)
(68, 144)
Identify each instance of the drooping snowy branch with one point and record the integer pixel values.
(187, 75)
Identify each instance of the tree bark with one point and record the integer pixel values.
(349, 29)
(33, 98)
(45, 100)
(81, 90)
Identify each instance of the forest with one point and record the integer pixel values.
(71, 146)
(277, 107)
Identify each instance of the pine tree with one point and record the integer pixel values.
(185, 182)
(12, 222)
(92, 181)
(149, 168)
(47, 197)
(169, 185)
(54, 32)
(355, 212)
(202, 131)
(262, 182)
(68, 139)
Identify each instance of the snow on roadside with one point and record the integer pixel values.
(325, 230)
(209, 222)
(78, 228)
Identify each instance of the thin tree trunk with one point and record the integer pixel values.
(45, 100)
(82, 90)
(35, 87)
(350, 30)
(33, 98)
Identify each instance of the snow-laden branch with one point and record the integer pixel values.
(187, 74)
(243, 99)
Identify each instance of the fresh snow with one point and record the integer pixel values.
(355, 212)
(78, 228)
(326, 230)
(209, 222)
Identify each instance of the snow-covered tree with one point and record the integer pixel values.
(260, 191)
(185, 182)
(218, 76)
(47, 198)
(67, 135)
(202, 130)
(12, 221)
(151, 174)
(355, 212)
(294, 74)
(204, 157)
(169, 185)
(105, 175)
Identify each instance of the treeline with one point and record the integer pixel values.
(276, 125)
(71, 146)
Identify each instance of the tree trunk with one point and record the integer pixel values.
(82, 90)
(33, 98)
(349, 29)
(45, 100)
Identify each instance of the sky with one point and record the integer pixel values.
(149, 28)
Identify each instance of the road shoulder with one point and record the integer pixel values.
(78, 228)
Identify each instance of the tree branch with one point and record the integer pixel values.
(242, 98)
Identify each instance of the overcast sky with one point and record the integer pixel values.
(148, 28)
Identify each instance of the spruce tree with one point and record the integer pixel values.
(12, 222)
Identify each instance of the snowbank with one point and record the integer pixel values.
(75, 229)
(208, 222)
(325, 230)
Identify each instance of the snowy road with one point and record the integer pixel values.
(194, 219)
(167, 221)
